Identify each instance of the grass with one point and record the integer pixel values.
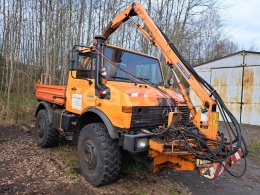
(173, 190)
(21, 109)
(141, 181)
(130, 186)
(68, 154)
(139, 170)
(136, 178)
(133, 168)
(254, 151)
(141, 191)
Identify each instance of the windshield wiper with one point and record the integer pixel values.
(116, 77)
(124, 78)
(147, 81)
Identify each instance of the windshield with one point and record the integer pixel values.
(141, 66)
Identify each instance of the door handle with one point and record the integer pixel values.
(73, 88)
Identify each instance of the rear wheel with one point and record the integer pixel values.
(46, 136)
(99, 155)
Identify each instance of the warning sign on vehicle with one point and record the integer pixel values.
(77, 101)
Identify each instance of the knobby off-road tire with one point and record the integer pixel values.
(46, 136)
(99, 155)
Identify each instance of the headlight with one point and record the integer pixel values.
(142, 143)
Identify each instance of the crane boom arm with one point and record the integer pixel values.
(159, 39)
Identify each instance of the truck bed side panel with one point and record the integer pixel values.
(51, 93)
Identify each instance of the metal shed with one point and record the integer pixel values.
(236, 77)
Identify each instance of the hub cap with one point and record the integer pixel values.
(89, 154)
(40, 129)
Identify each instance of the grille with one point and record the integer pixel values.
(148, 116)
(153, 116)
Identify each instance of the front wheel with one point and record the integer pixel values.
(99, 155)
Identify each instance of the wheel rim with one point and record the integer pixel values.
(89, 154)
(40, 129)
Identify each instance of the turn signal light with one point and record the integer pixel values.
(127, 109)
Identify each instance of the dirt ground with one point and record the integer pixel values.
(28, 169)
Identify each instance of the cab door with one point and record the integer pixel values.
(81, 89)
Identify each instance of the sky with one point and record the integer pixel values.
(242, 22)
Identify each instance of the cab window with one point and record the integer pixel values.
(86, 66)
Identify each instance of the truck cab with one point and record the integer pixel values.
(118, 95)
(109, 88)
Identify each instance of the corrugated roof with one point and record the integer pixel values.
(227, 56)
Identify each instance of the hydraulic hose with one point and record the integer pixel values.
(222, 106)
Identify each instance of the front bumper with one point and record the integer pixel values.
(170, 156)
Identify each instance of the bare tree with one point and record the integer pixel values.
(36, 36)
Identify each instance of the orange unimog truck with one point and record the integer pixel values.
(116, 100)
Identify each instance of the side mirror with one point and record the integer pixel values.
(170, 82)
(74, 59)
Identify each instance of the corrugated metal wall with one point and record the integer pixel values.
(251, 96)
(238, 84)
(228, 83)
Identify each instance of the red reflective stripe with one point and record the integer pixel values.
(240, 152)
(233, 158)
(237, 156)
(102, 92)
(136, 94)
(218, 171)
(220, 167)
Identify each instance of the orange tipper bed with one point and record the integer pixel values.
(51, 93)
